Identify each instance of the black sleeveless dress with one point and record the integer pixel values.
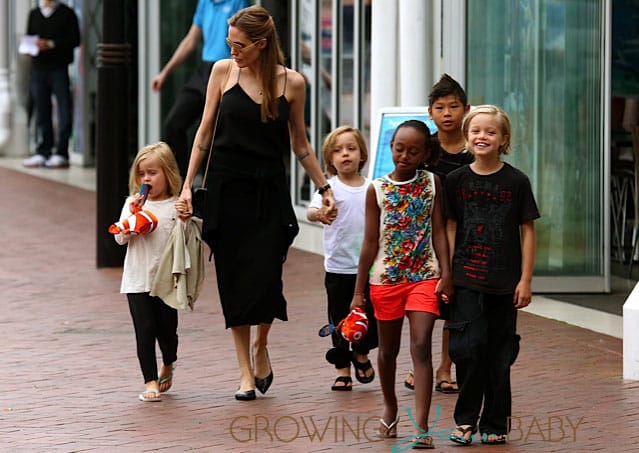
(249, 221)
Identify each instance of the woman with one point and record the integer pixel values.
(249, 219)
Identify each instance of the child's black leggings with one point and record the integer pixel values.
(153, 320)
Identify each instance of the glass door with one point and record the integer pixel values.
(543, 61)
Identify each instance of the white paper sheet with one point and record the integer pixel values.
(29, 45)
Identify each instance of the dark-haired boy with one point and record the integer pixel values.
(447, 106)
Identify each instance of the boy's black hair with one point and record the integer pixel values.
(445, 87)
(431, 140)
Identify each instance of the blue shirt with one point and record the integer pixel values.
(211, 17)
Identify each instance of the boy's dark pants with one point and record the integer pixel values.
(339, 289)
(483, 344)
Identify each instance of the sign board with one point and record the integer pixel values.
(388, 118)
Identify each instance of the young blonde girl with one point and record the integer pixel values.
(153, 320)
(406, 251)
(345, 154)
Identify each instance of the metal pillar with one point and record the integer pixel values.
(5, 93)
(112, 129)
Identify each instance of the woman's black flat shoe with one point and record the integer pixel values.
(262, 384)
(245, 395)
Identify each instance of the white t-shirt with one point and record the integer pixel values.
(343, 238)
(144, 251)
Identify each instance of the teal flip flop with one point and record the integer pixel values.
(463, 440)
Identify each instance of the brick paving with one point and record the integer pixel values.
(70, 375)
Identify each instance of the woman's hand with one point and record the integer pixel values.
(186, 196)
(182, 208)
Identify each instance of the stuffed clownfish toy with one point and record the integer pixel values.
(140, 222)
(352, 328)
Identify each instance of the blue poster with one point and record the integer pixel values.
(383, 162)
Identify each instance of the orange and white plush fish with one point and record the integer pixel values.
(352, 328)
(142, 222)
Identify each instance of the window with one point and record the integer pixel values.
(333, 53)
(541, 60)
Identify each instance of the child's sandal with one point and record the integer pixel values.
(421, 442)
(493, 439)
(363, 367)
(342, 384)
(150, 396)
(388, 431)
(463, 440)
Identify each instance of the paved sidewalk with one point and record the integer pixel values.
(70, 375)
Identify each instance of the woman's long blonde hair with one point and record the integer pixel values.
(257, 24)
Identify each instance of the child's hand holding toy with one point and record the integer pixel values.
(140, 198)
(140, 221)
(352, 328)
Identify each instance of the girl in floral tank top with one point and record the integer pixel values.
(406, 251)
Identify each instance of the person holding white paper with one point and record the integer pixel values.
(56, 27)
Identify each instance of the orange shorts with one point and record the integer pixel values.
(391, 302)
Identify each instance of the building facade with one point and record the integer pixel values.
(565, 71)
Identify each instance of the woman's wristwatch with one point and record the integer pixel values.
(323, 189)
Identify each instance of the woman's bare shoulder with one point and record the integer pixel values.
(294, 77)
(295, 83)
(220, 67)
(223, 71)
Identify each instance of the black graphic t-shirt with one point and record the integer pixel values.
(449, 162)
(489, 210)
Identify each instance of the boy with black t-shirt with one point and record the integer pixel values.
(490, 212)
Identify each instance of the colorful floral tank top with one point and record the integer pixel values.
(406, 252)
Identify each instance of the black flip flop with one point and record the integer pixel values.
(346, 380)
(439, 387)
(363, 367)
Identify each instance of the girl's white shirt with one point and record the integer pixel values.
(343, 238)
(144, 251)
